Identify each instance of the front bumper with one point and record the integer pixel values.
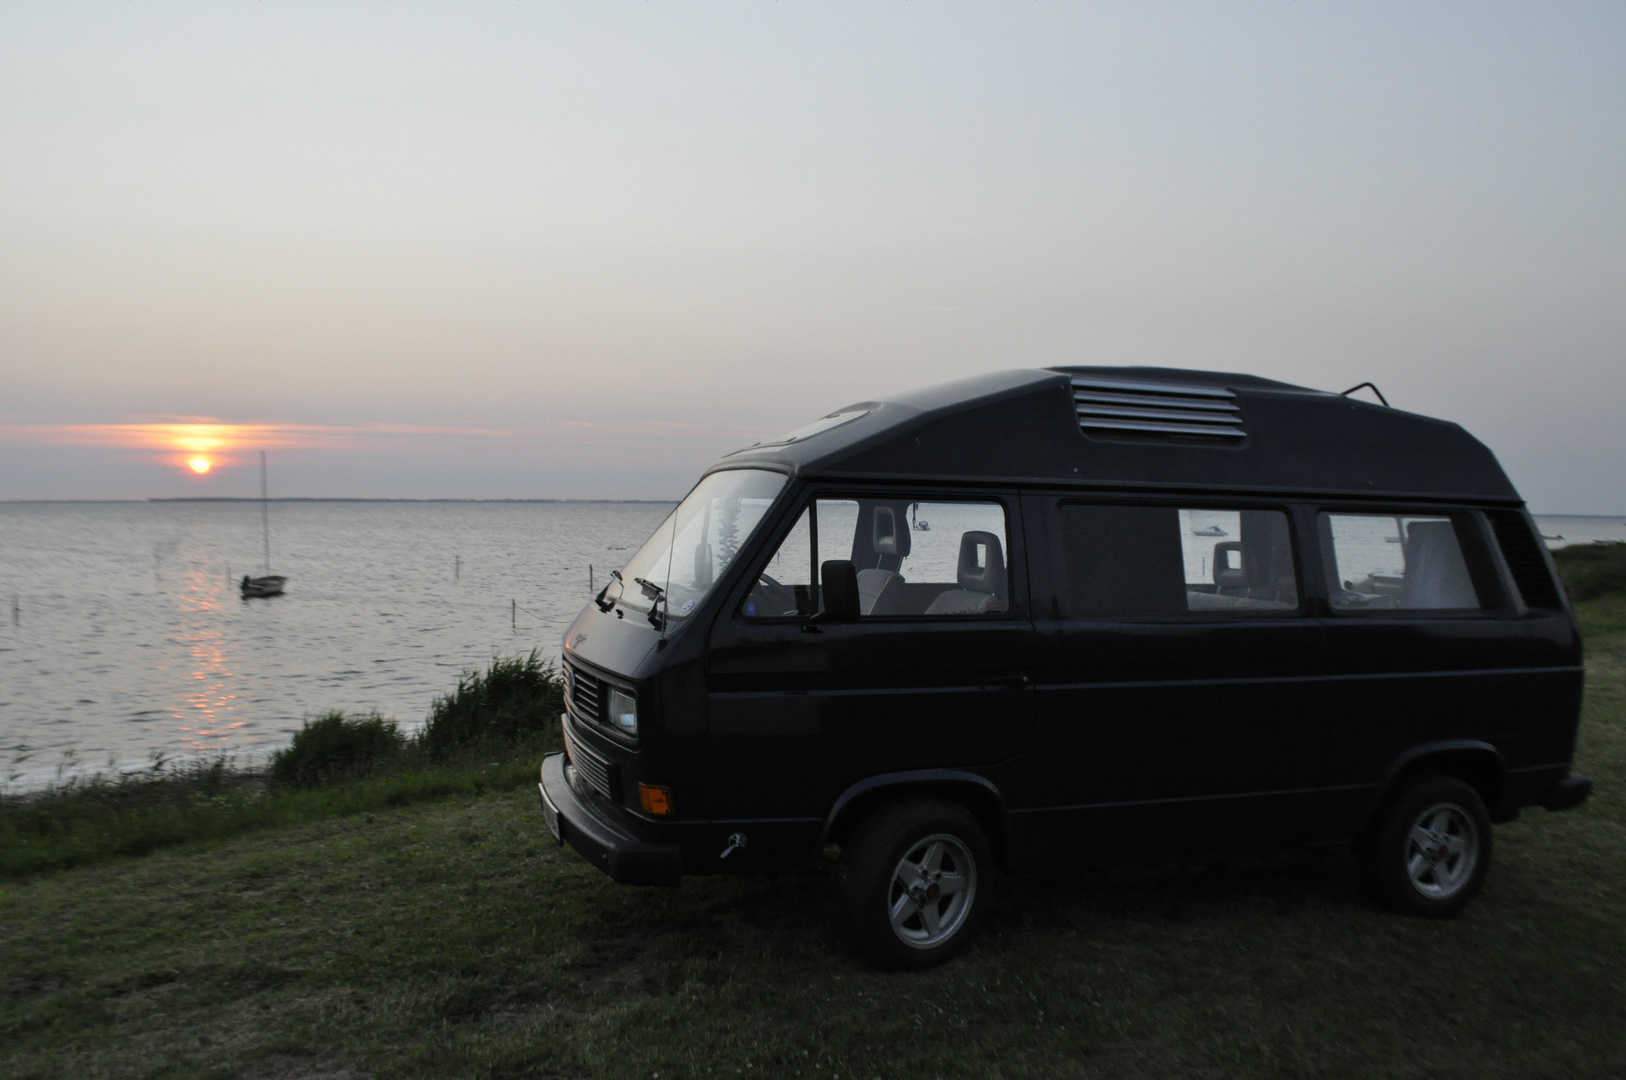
(602, 841)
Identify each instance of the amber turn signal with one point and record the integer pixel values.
(657, 798)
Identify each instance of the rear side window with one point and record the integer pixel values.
(1522, 553)
(1396, 562)
(1133, 562)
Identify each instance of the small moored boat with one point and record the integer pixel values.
(267, 584)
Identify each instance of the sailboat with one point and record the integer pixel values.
(267, 584)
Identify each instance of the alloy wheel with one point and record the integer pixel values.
(1442, 851)
(932, 889)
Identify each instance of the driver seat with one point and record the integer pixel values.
(880, 590)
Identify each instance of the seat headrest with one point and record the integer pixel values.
(1232, 566)
(1436, 575)
(888, 538)
(982, 563)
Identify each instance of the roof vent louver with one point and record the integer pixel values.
(1174, 412)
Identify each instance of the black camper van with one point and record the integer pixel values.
(1080, 615)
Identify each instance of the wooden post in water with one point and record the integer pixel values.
(457, 568)
(590, 587)
(513, 614)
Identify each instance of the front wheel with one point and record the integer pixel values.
(1429, 854)
(912, 883)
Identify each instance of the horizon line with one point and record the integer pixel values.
(321, 498)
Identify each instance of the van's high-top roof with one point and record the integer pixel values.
(1138, 427)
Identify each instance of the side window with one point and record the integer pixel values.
(1521, 551)
(933, 558)
(915, 558)
(1395, 562)
(1131, 562)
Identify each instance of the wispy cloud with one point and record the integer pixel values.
(225, 440)
(205, 433)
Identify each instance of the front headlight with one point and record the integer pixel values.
(623, 711)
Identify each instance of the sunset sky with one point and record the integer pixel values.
(572, 250)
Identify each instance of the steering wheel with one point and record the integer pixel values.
(775, 597)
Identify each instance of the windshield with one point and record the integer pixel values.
(710, 526)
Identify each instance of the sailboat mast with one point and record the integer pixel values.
(265, 513)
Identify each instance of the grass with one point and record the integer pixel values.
(453, 939)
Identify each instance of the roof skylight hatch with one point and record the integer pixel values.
(807, 431)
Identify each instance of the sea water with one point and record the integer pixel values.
(123, 633)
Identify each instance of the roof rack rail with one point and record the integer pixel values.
(1371, 386)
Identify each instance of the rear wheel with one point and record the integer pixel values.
(912, 883)
(1429, 854)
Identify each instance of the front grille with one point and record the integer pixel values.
(594, 769)
(582, 694)
(1173, 411)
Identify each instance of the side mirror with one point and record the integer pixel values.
(840, 580)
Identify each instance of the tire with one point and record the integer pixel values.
(913, 882)
(1429, 853)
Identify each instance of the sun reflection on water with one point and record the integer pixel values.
(210, 699)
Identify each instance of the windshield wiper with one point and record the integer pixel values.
(654, 592)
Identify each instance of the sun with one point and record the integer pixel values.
(199, 464)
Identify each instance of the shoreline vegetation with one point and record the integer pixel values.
(1592, 570)
(392, 906)
(486, 735)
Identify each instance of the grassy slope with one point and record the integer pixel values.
(171, 811)
(451, 939)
